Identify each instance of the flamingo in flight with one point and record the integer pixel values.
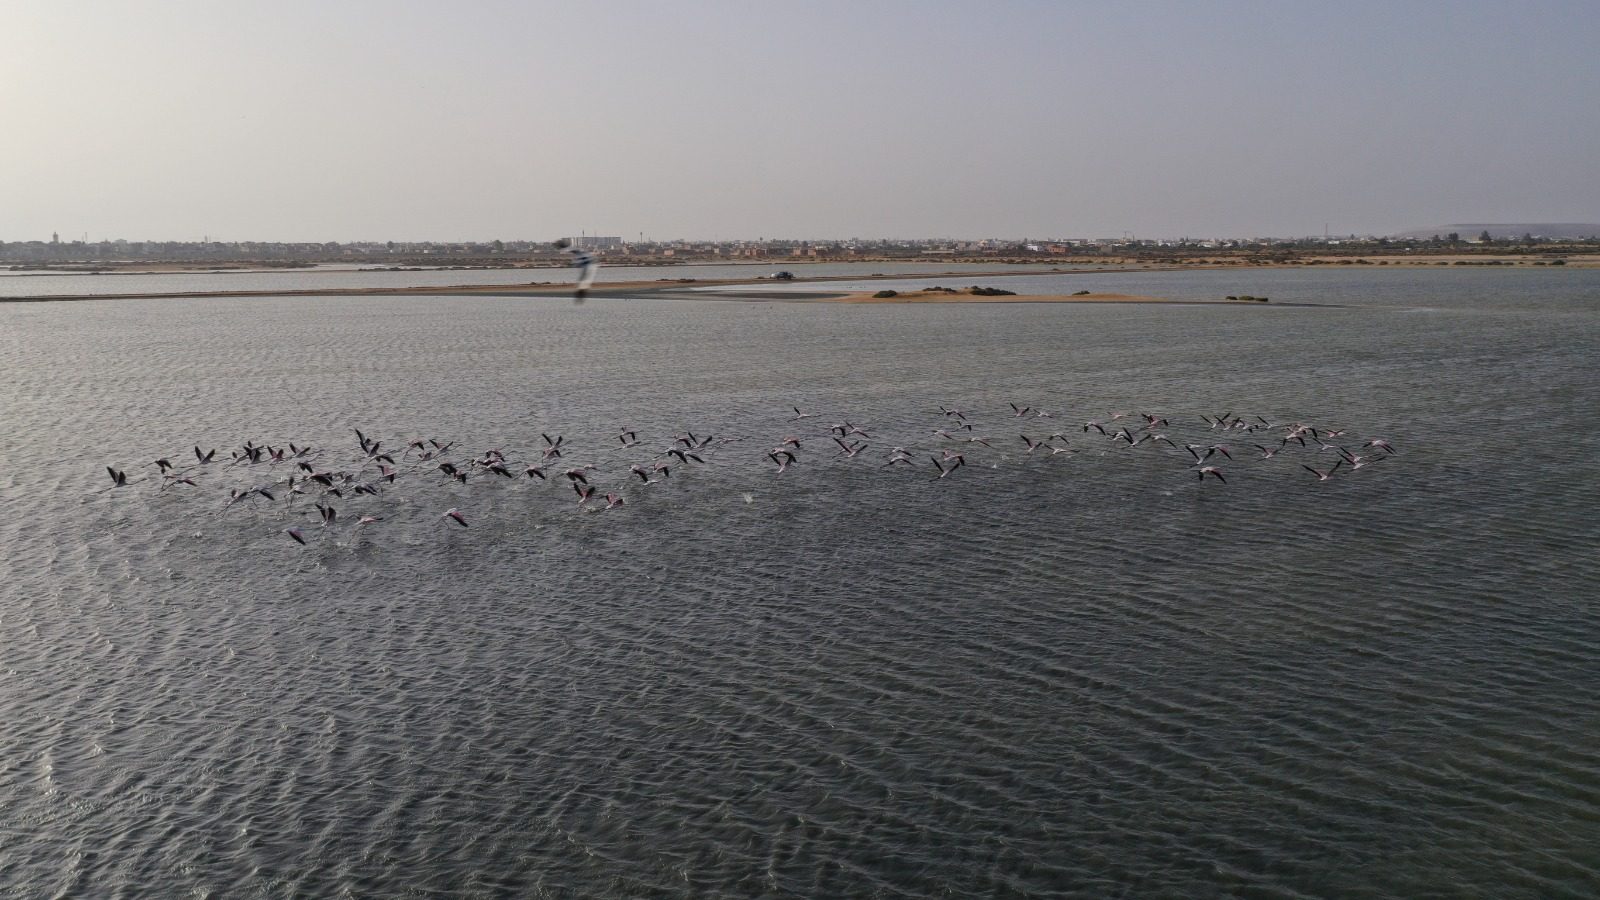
(849, 451)
(1323, 476)
(955, 461)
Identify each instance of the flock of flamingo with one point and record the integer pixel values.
(317, 490)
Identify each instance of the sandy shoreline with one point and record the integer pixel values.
(763, 289)
(1262, 259)
(948, 297)
(678, 286)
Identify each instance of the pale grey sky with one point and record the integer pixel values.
(301, 120)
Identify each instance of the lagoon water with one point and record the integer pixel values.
(1084, 675)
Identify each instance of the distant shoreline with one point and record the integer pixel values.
(758, 289)
(1048, 264)
(963, 297)
(677, 286)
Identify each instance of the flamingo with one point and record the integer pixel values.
(849, 451)
(1323, 476)
(1360, 462)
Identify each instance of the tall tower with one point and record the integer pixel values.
(55, 237)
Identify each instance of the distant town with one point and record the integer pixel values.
(112, 255)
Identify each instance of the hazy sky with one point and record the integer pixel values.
(300, 120)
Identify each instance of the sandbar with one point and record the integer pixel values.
(963, 297)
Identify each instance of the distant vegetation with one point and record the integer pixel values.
(1524, 243)
(1522, 232)
(989, 292)
(884, 295)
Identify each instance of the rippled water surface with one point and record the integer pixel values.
(1081, 674)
